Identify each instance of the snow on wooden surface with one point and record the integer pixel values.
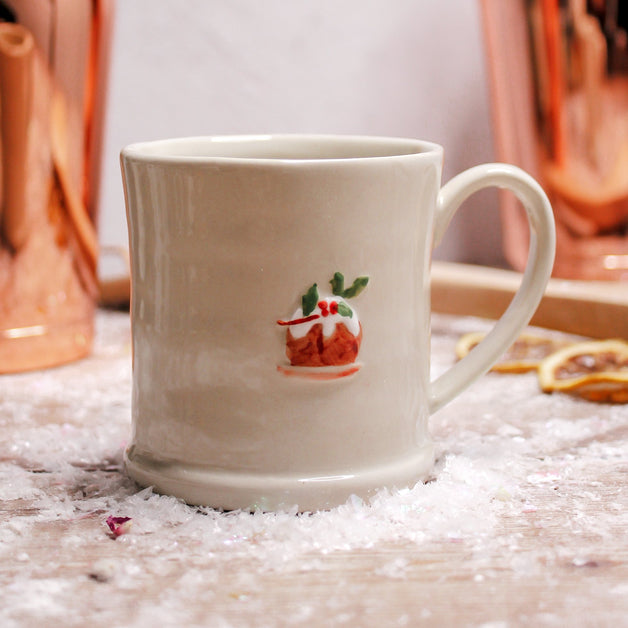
(522, 522)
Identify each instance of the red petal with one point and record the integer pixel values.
(119, 525)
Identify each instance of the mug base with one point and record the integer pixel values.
(229, 490)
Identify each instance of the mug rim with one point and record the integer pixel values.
(344, 149)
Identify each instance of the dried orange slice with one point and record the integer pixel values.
(595, 370)
(524, 355)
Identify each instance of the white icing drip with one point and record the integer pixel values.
(328, 322)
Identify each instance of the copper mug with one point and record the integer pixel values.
(53, 71)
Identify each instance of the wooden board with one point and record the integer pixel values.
(590, 308)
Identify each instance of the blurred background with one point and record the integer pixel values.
(404, 68)
(542, 84)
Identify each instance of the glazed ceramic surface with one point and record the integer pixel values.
(280, 313)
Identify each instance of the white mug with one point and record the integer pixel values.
(281, 313)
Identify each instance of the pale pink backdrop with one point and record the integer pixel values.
(406, 68)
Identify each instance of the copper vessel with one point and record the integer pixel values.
(54, 57)
(559, 87)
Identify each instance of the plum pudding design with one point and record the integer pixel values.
(323, 336)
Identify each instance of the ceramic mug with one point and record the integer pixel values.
(281, 313)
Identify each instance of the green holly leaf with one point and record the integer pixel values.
(358, 285)
(309, 300)
(345, 310)
(338, 284)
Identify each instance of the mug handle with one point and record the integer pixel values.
(537, 272)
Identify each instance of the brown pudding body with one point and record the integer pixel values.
(315, 350)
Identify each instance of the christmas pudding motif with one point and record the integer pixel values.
(323, 336)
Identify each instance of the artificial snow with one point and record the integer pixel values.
(506, 453)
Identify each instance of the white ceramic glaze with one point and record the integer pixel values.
(226, 235)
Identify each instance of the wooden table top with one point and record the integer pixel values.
(522, 524)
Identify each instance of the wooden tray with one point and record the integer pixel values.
(598, 309)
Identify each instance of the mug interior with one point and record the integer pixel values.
(278, 147)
